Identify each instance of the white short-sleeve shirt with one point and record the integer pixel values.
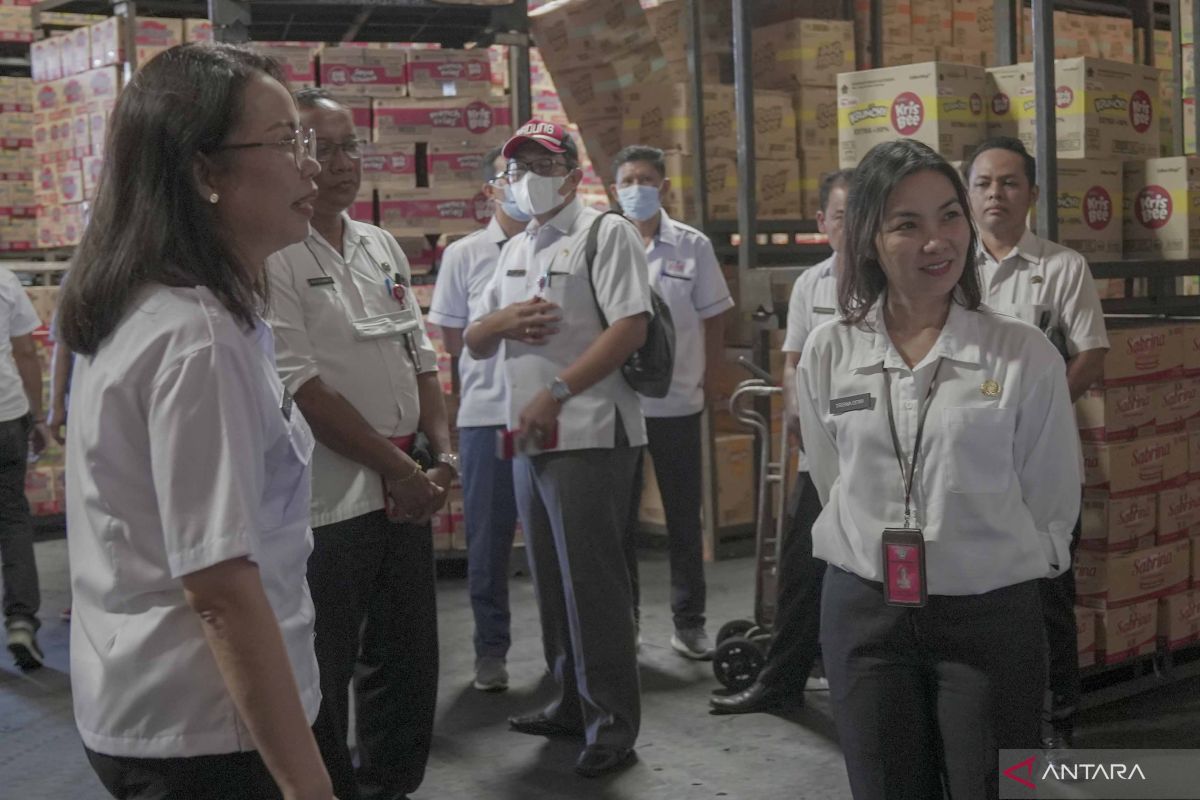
(316, 294)
(17, 318)
(622, 288)
(463, 277)
(997, 486)
(1048, 286)
(184, 451)
(813, 302)
(684, 270)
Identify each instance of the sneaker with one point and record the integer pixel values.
(491, 675)
(22, 643)
(816, 684)
(692, 643)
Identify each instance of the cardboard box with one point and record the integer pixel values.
(152, 35)
(1114, 414)
(1114, 524)
(360, 111)
(1085, 636)
(298, 62)
(777, 187)
(451, 164)
(938, 104)
(1125, 633)
(974, 24)
(1177, 404)
(733, 456)
(1090, 197)
(802, 52)
(1178, 512)
(814, 166)
(390, 167)
(1144, 465)
(76, 51)
(450, 210)
(197, 30)
(899, 55)
(481, 122)
(1162, 208)
(661, 115)
(449, 73)
(1194, 454)
(580, 33)
(45, 59)
(365, 72)
(101, 86)
(933, 21)
(363, 208)
(1179, 620)
(1112, 580)
(1143, 354)
(1106, 109)
(816, 119)
(69, 181)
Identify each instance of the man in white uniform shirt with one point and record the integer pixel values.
(351, 347)
(488, 502)
(684, 270)
(1050, 286)
(21, 426)
(582, 429)
(795, 645)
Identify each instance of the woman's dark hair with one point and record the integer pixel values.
(149, 222)
(862, 281)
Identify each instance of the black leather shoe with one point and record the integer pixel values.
(758, 697)
(538, 724)
(599, 759)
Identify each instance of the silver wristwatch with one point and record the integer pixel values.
(450, 460)
(559, 390)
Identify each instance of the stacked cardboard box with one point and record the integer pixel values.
(16, 21)
(18, 205)
(1082, 35)
(1141, 506)
(1162, 208)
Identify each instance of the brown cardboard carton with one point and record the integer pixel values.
(197, 30)
(774, 125)
(802, 52)
(958, 55)
(452, 164)
(152, 36)
(1111, 580)
(1143, 354)
(938, 104)
(901, 54)
(778, 188)
(1113, 414)
(734, 459)
(974, 24)
(816, 119)
(895, 22)
(457, 120)
(581, 33)
(449, 73)
(360, 111)
(1162, 208)
(1144, 465)
(1089, 208)
(298, 62)
(933, 21)
(1105, 109)
(1177, 404)
(449, 210)
(390, 167)
(1125, 633)
(1178, 512)
(1115, 524)
(1178, 620)
(365, 71)
(1085, 635)
(814, 166)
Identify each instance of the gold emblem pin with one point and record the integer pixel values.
(1037, 279)
(990, 389)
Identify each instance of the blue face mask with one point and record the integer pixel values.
(509, 207)
(639, 202)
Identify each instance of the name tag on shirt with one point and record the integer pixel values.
(858, 402)
(323, 281)
(823, 310)
(515, 273)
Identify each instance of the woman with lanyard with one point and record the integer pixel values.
(942, 442)
(192, 664)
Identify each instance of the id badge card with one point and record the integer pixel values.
(386, 326)
(904, 568)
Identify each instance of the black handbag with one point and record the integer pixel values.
(650, 368)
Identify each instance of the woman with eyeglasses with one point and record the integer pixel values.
(192, 663)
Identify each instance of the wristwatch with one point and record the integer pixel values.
(450, 460)
(559, 390)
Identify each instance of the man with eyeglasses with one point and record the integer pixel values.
(488, 503)
(581, 430)
(352, 350)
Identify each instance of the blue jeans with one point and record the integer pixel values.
(491, 517)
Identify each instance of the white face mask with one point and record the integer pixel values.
(509, 205)
(537, 194)
(640, 202)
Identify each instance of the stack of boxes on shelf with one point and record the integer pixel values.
(44, 483)
(1138, 561)
(914, 31)
(18, 205)
(16, 21)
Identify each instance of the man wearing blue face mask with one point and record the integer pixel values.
(684, 270)
(488, 504)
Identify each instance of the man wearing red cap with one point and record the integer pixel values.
(581, 428)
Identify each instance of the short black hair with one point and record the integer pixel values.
(1003, 143)
(488, 168)
(840, 178)
(640, 152)
(313, 96)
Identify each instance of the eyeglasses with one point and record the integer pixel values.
(327, 150)
(546, 167)
(302, 142)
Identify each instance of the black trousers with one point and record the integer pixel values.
(22, 596)
(372, 584)
(231, 776)
(796, 643)
(924, 697)
(674, 444)
(1058, 614)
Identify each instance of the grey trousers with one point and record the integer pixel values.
(574, 506)
(22, 596)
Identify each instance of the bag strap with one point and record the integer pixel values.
(589, 254)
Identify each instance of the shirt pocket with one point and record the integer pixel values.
(676, 280)
(978, 449)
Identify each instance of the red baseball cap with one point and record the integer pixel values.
(549, 135)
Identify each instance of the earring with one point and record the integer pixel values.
(213, 198)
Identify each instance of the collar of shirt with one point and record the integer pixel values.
(563, 221)
(958, 341)
(668, 232)
(351, 239)
(1029, 249)
(494, 233)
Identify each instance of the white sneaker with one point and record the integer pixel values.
(491, 674)
(692, 643)
(22, 643)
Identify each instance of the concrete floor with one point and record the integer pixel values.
(684, 753)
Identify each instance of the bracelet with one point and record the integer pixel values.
(416, 471)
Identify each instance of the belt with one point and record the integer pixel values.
(405, 443)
